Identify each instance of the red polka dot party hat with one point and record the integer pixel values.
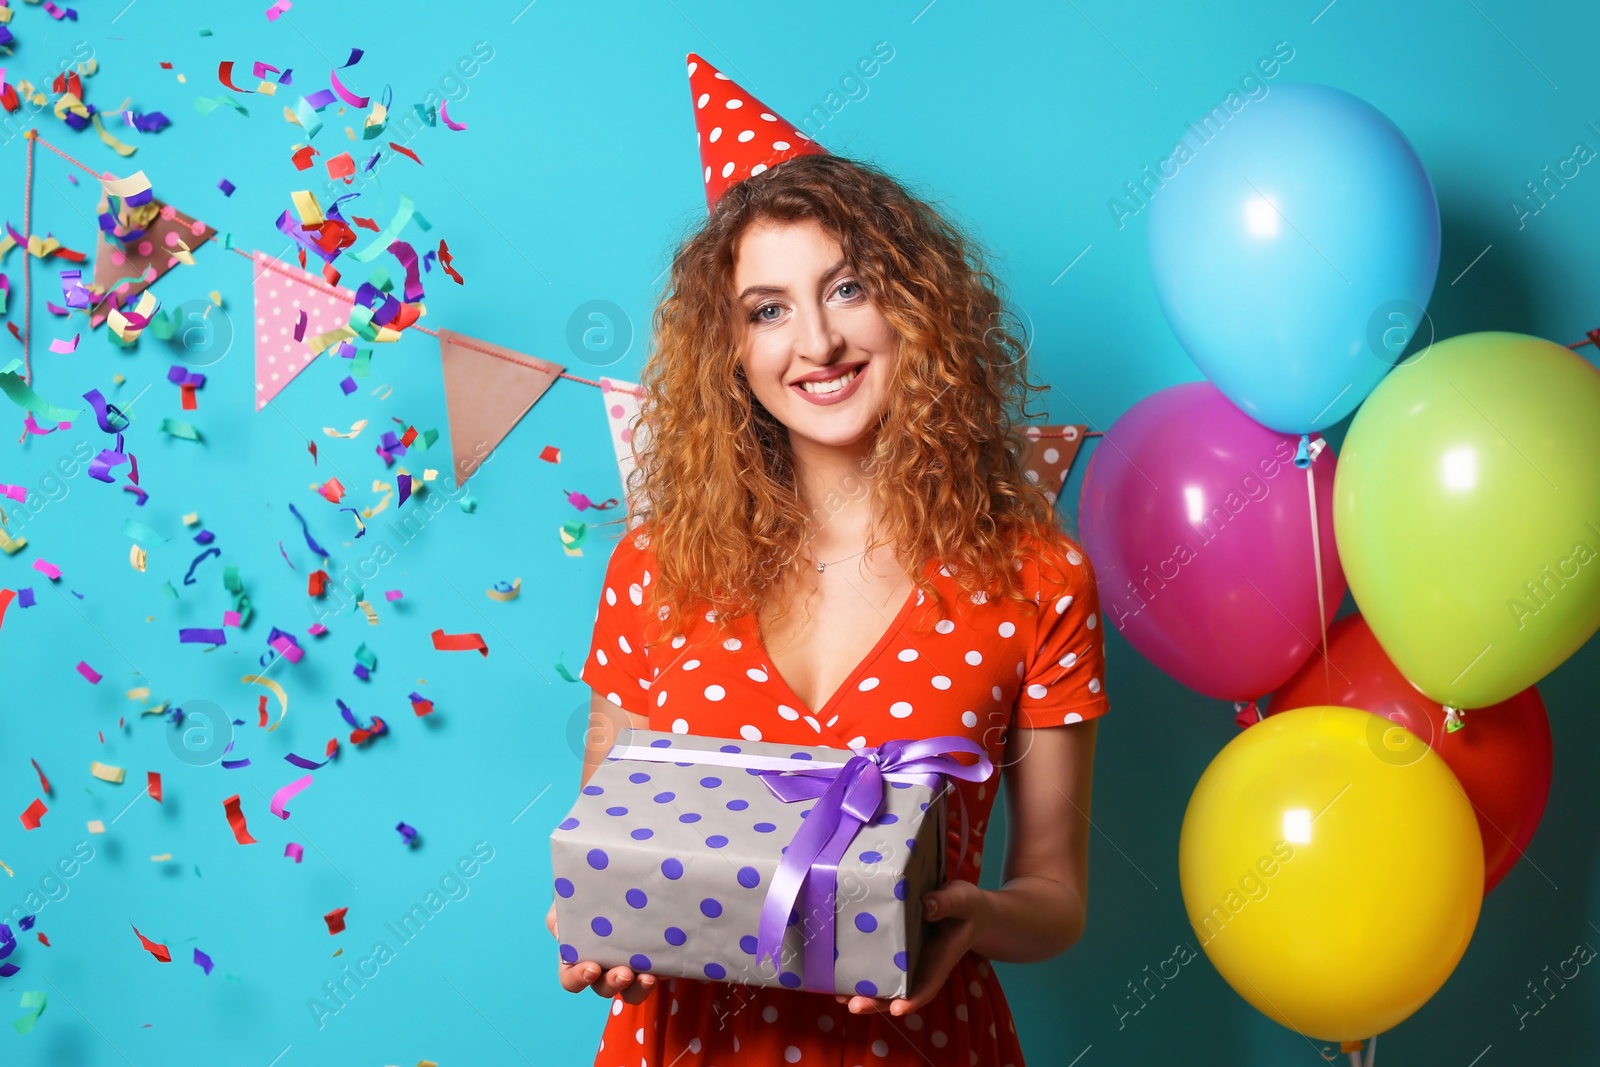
(739, 135)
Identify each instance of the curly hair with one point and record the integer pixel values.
(715, 482)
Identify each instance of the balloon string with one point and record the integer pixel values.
(1316, 548)
(1372, 1050)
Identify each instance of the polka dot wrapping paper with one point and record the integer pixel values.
(664, 867)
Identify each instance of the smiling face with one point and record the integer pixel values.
(807, 317)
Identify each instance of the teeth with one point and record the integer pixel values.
(831, 386)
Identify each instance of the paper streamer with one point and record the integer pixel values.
(157, 950)
(459, 642)
(508, 593)
(188, 578)
(107, 773)
(389, 234)
(179, 428)
(306, 529)
(283, 796)
(24, 397)
(277, 691)
(241, 833)
(35, 812)
(345, 94)
(32, 1003)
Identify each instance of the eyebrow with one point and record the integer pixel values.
(757, 290)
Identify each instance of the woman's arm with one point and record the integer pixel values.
(1039, 910)
(606, 721)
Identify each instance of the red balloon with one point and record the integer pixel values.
(1501, 755)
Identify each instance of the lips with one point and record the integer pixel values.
(838, 394)
(830, 374)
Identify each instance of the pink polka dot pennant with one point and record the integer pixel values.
(628, 435)
(282, 293)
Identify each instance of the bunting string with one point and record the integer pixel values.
(328, 290)
(27, 261)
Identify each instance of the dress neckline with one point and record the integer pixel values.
(888, 635)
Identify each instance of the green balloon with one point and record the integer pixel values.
(1467, 514)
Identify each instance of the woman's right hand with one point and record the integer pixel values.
(618, 981)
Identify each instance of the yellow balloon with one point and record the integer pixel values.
(1332, 870)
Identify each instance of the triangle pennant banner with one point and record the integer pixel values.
(487, 389)
(137, 267)
(629, 436)
(1048, 455)
(282, 294)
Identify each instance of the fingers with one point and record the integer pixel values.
(575, 977)
(955, 899)
(614, 981)
(550, 922)
(641, 988)
(939, 957)
(860, 1005)
(619, 981)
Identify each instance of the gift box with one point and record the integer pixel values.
(759, 863)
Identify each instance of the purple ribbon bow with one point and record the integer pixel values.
(848, 797)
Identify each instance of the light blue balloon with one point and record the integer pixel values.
(1294, 250)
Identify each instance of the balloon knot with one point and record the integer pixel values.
(1351, 1046)
(1302, 453)
(1246, 713)
(1452, 719)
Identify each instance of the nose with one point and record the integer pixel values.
(816, 338)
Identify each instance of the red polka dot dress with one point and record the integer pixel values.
(975, 669)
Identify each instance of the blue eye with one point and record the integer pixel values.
(756, 315)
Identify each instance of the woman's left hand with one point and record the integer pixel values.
(960, 911)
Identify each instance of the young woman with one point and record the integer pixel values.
(836, 546)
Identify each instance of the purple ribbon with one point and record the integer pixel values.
(848, 797)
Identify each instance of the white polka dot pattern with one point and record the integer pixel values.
(987, 668)
(1048, 454)
(1063, 684)
(282, 292)
(757, 143)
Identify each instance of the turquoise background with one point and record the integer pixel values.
(577, 175)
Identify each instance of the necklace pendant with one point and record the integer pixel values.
(820, 566)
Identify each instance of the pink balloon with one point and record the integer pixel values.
(1198, 524)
